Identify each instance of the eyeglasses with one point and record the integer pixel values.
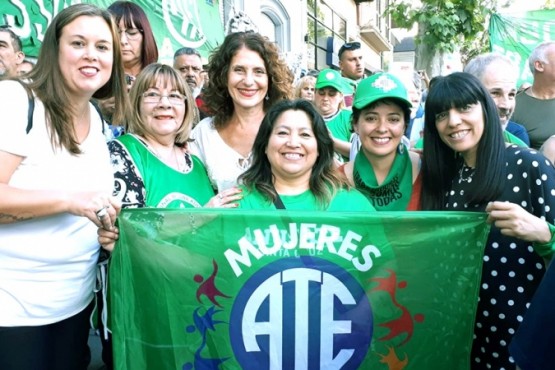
(131, 33)
(348, 46)
(174, 98)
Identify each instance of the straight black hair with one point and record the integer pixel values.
(440, 163)
(324, 182)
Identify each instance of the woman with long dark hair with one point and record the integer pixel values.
(293, 166)
(468, 167)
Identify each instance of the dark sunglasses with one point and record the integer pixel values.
(348, 46)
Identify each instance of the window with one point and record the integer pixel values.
(267, 27)
(274, 23)
(322, 23)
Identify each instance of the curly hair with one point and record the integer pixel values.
(324, 181)
(149, 77)
(280, 78)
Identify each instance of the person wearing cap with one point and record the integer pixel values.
(351, 64)
(330, 88)
(384, 170)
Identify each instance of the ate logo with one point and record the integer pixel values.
(301, 313)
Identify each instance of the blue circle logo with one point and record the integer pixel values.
(299, 313)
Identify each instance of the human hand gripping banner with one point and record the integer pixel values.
(230, 289)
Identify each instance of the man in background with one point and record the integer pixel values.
(188, 62)
(11, 52)
(499, 76)
(535, 106)
(351, 64)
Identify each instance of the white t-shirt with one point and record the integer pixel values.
(47, 264)
(222, 162)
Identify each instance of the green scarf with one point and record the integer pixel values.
(395, 192)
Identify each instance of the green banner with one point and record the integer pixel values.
(176, 24)
(200, 289)
(516, 35)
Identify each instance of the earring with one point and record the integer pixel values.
(401, 148)
(267, 97)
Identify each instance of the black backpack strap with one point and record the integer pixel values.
(30, 112)
(95, 105)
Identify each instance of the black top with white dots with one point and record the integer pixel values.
(511, 270)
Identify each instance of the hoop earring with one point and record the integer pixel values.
(401, 148)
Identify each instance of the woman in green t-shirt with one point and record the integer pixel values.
(384, 170)
(293, 166)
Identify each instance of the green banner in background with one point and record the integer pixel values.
(176, 23)
(516, 35)
(200, 289)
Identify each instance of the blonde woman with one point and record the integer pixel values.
(305, 88)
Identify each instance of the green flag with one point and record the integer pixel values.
(230, 289)
(175, 24)
(517, 34)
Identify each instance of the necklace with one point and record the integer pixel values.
(173, 160)
(465, 174)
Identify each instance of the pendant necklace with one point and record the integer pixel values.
(465, 174)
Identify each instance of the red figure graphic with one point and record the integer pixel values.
(404, 323)
(208, 286)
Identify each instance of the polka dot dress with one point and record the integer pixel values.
(511, 270)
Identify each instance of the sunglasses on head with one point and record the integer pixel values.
(349, 46)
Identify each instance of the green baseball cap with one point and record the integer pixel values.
(332, 78)
(380, 86)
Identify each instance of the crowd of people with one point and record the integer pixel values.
(238, 133)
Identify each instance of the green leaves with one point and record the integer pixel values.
(447, 23)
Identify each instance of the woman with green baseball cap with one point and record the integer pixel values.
(384, 170)
(328, 98)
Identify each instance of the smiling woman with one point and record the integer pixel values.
(384, 170)
(151, 165)
(468, 167)
(293, 165)
(247, 76)
(55, 191)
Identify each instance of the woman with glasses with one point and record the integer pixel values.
(152, 167)
(138, 46)
(247, 77)
(151, 161)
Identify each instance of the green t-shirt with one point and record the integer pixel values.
(164, 186)
(344, 201)
(340, 127)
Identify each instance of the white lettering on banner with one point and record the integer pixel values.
(303, 236)
(188, 32)
(271, 290)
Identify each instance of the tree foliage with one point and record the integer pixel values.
(445, 26)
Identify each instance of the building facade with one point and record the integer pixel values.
(310, 32)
